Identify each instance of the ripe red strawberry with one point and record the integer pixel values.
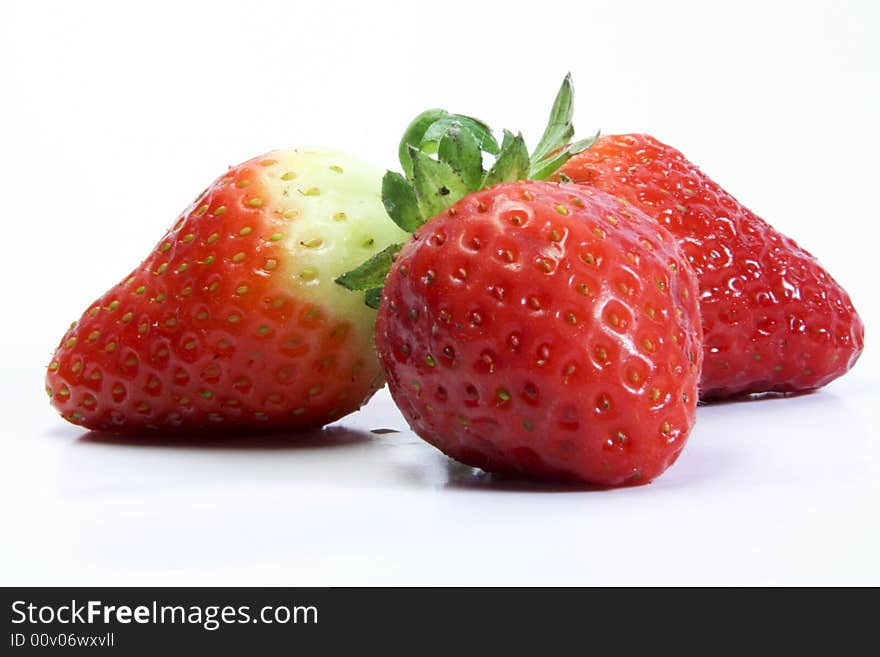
(233, 320)
(773, 318)
(531, 327)
(540, 329)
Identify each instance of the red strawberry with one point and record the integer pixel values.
(544, 330)
(532, 327)
(233, 320)
(773, 318)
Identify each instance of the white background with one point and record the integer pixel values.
(114, 115)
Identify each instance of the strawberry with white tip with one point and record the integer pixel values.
(233, 321)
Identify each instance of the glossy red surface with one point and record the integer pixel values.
(773, 318)
(547, 330)
(207, 334)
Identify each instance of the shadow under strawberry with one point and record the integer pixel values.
(326, 438)
(463, 477)
(756, 397)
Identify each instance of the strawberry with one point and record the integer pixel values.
(773, 319)
(530, 327)
(233, 321)
(540, 329)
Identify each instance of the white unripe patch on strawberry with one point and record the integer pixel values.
(332, 206)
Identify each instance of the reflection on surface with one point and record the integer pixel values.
(100, 464)
(348, 499)
(745, 440)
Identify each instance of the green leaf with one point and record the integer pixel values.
(481, 132)
(546, 167)
(400, 201)
(559, 128)
(370, 274)
(460, 150)
(437, 185)
(373, 297)
(413, 135)
(508, 137)
(512, 163)
(583, 144)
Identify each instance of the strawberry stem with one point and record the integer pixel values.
(442, 158)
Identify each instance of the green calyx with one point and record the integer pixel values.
(442, 157)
